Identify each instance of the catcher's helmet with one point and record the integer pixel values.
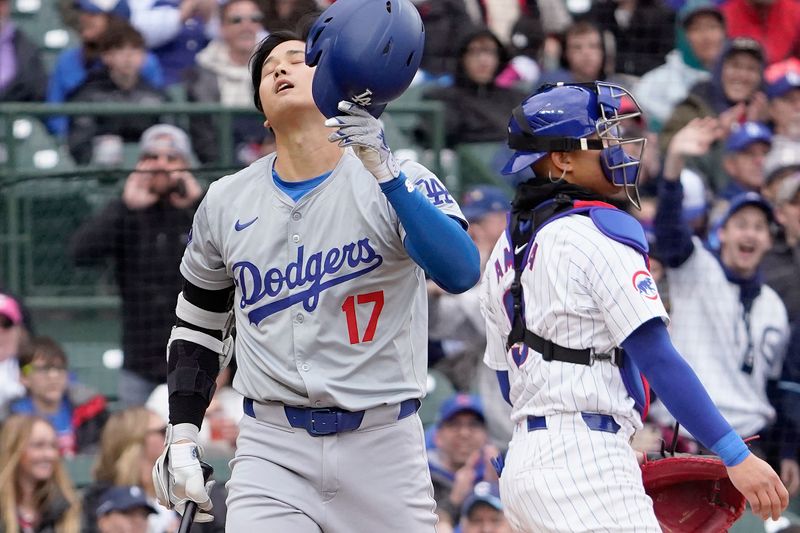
(561, 117)
(365, 51)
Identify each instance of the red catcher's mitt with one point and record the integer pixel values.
(691, 493)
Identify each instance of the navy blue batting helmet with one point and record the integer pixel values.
(581, 116)
(365, 51)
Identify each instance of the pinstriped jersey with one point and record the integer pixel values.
(330, 309)
(580, 289)
(717, 338)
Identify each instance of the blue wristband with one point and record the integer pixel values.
(731, 449)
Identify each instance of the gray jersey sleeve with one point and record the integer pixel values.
(202, 262)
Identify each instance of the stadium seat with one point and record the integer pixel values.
(79, 469)
(406, 122)
(439, 389)
(34, 148)
(222, 470)
(479, 164)
(397, 136)
(26, 7)
(48, 267)
(91, 340)
(90, 364)
(750, 523)
(130, 155)
(176, 93)
(412, 94)
(50, 210)
(41, 21)
(793, 511)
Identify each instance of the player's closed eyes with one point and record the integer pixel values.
(255, 19)
(295, 58)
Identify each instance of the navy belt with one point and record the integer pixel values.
(594, 421)
(329, 420)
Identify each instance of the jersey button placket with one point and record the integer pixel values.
(296, 216)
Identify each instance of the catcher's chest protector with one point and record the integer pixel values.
(523, 226)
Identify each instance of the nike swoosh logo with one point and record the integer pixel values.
(239, 226)
(518, 249)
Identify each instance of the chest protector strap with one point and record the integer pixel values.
(615, 224)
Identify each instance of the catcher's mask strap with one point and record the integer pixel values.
(551, 143)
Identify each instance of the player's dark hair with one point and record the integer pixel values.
(265, 48)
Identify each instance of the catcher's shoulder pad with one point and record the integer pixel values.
(621, 227)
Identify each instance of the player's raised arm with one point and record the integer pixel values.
(436, 241)
(673, 234)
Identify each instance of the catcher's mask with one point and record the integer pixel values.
(561, 117)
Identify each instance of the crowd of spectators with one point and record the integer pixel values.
(719, 83)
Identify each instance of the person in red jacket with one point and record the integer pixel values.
(773, 23)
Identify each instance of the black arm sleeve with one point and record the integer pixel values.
(193, 369)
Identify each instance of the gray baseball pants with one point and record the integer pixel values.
(373, 479)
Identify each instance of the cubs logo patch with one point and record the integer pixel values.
(644, 284)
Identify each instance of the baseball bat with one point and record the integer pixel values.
(191, 507)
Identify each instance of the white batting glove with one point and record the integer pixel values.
(362, 131)
(177, 476)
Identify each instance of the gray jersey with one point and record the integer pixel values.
(330, 309)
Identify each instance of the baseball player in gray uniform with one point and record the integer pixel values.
(322, 250)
